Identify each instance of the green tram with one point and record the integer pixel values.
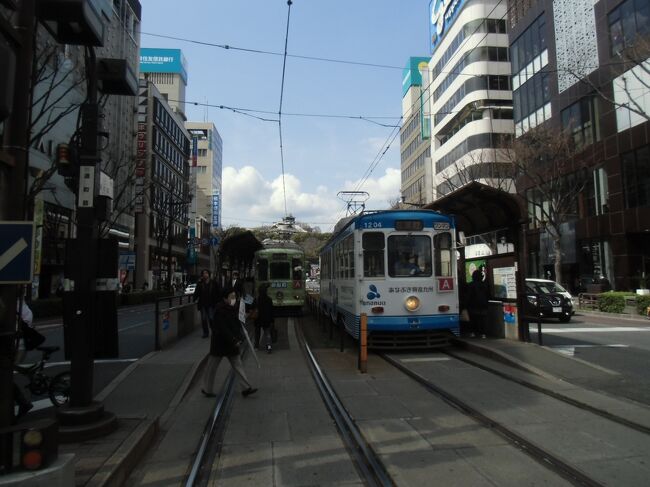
(281, 265)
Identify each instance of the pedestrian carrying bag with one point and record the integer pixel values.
(31, 337)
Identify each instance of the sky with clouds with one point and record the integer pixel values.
(327, 147)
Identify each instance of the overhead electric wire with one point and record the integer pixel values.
(284, 68)
(272, 53)
(249, 111)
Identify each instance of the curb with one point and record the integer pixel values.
(103, 394)
(182, 390)
(116, 470)
(502, 357)
(602, 314)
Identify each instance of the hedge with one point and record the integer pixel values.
(612, 302)
(642, 304)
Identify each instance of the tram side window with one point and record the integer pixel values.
(373, 254)
(296, 265)
(280, 270)
(409, 256)
(442, 254)
(263, 270)
(326, 266)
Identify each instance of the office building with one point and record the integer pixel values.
(415, 134)
(582, 66)
(205, 181)
(469, 96)
(162, 191)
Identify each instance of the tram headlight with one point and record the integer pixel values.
(412, 303)
(279, 295)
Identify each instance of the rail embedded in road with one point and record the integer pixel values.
(369, 464)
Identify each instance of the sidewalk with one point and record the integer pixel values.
(141, 397)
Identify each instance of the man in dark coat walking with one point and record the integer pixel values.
(264, 320)
(477, 303)
(226, 337)
(207, 295)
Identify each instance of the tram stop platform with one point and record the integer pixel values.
(283, 434)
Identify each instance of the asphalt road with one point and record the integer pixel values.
(136, 339)
(617, 347)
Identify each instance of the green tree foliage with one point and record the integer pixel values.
(311, 243)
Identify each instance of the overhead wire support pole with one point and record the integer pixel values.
(284, 68)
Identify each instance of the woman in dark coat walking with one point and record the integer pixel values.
(224, 342)
(264, 320)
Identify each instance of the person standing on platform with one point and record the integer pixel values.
(207, 296)
(477, 304)
(264, 320)
(226, 337)
(237, 284)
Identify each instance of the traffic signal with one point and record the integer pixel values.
(66, 161)
(29, 446)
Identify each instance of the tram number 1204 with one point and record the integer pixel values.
(371, 224)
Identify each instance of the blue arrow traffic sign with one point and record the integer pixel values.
(16, 252)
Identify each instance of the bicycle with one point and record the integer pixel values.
(57, 388)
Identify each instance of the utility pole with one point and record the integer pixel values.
(13, 180)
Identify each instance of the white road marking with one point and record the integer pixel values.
(38, 405)
(12, 252)
(137, 325)
(571, 349)
(604, 329)
(425, 359)
(99, 361)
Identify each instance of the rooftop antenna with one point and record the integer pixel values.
(356, 201)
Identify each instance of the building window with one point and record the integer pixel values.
(582, 119)
(632, 97)
(629, 19)
(636, 177)
(529, 45)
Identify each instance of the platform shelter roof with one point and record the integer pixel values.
(479, 208)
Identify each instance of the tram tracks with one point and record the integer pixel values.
(555, 395)
(368, 463)
(540, 455)
(211, 439)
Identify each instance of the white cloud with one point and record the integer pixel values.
(249, 200)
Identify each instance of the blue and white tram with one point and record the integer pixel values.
(398, 267)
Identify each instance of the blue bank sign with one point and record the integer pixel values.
(153, 60)
(443, 13)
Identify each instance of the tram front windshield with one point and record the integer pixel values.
(280, 270)
(409, 256)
